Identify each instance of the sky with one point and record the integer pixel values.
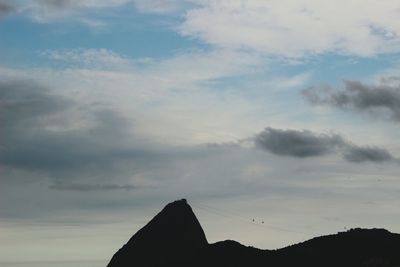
(286, 112)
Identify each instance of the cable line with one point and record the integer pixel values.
(232, 215)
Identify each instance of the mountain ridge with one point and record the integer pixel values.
(174, 237)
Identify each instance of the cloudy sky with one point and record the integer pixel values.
(287, 112)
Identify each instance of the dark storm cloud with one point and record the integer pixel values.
(362, 154)
(297, 143)
(36, 136)
(6, 8)
(91, 187)
(303, 144)
(381, 99)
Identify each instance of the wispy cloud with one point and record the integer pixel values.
(55, 4)
(161, 6)
(46, 11)
(88, 58)
(91, 187)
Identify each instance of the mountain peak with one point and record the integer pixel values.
(178, 204)
(175, 228)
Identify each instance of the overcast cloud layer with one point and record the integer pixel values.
(111, 109)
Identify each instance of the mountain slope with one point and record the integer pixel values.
(174, 237)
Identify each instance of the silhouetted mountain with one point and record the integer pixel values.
(175, 238)
(174, 232)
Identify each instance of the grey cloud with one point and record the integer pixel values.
(303, 144)
(36, 136)
(6, 8)
(297, 143)
(91, 187)
(383, 99)
(22, 101)
(362, 154)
